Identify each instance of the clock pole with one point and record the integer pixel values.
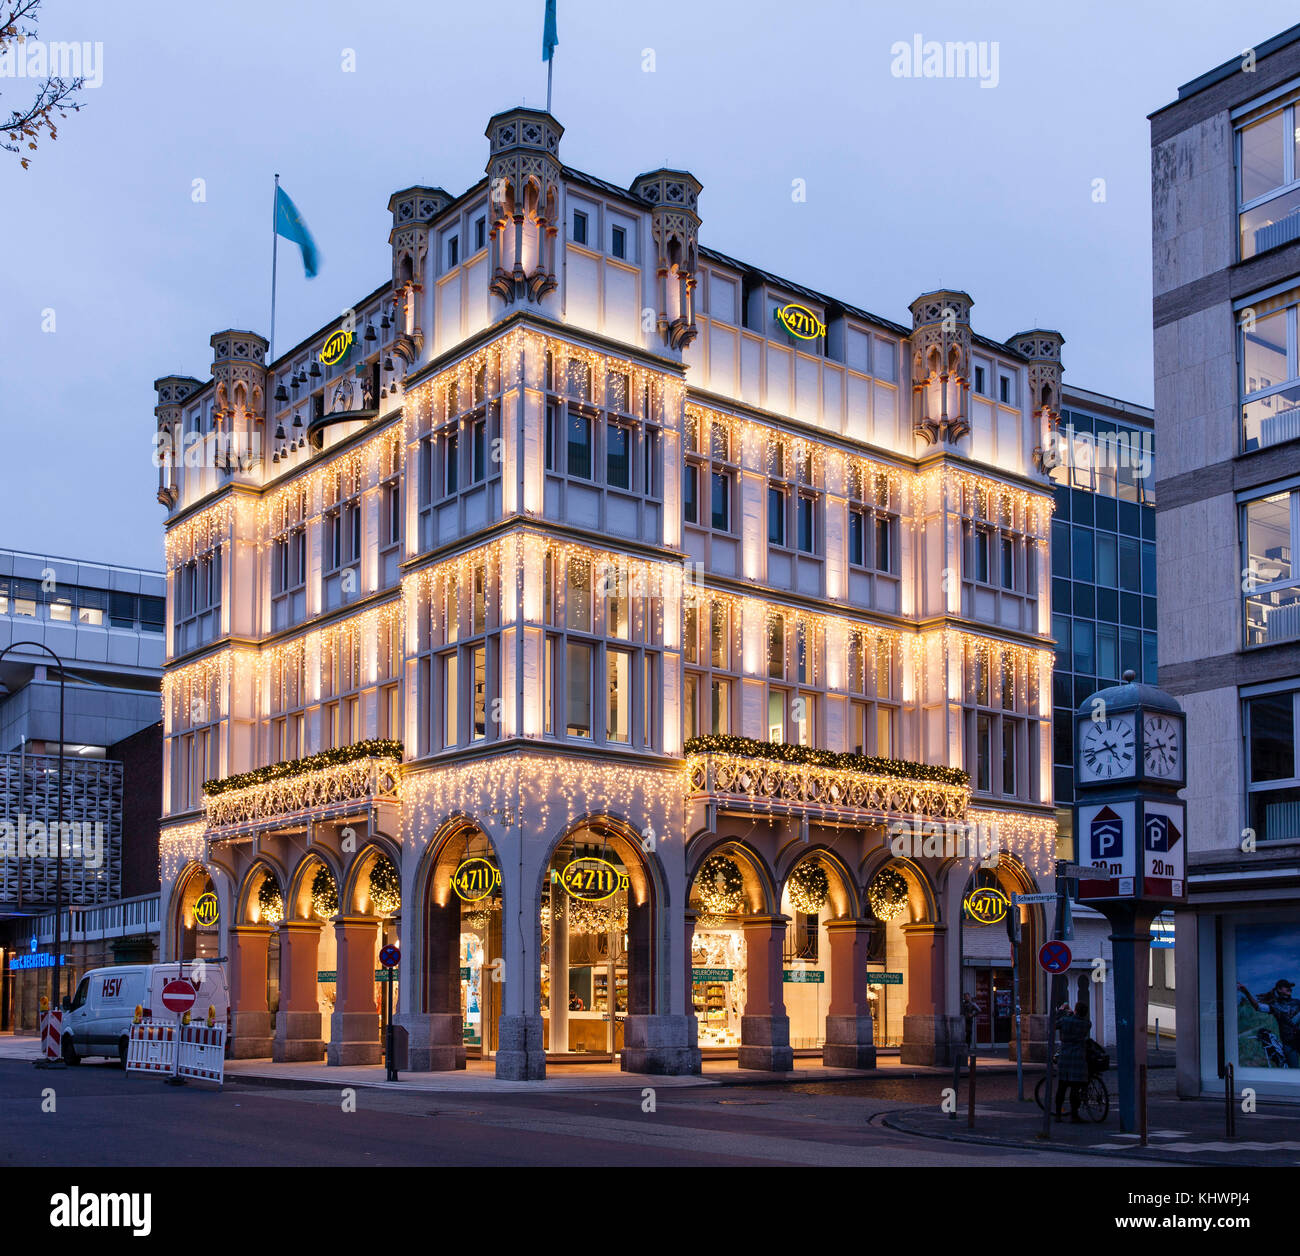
(1130, 834)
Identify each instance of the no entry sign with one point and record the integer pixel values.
(178, 996)
(1054, 957)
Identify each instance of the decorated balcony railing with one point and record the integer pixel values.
(767, 776)
(333, 782)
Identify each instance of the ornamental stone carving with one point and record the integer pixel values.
(1043, 351)
(675, 226)
(941, 341)
(523, 172)
(413, 210)
(171, 391)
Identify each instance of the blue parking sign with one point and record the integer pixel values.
(1106, 836)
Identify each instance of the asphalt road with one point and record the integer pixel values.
(95, 1115)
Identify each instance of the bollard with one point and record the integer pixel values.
(1157, 1033)
(1142, 1102)
(970, 1096)
(1229, 1101)
(956, 1084)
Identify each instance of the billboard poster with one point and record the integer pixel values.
(1268, 1012)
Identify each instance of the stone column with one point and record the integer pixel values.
(655, 1041)
(849, 1038)
(298, 1022)
(764, 1025)
(251, 1030)
(354, 1023)
(520, 1053)
(930, 1035)
(435, 1035)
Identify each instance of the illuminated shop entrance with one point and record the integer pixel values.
(595, 957)
(197, 919)
(476, 880)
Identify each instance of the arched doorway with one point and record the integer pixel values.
(730, 883)
(901, 964)
(596, 911)
(369, 919)
(817, 890)
(462, 952)
(196, 920)
(308, 960)
(254, 962)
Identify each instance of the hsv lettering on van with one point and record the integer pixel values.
(112, 987)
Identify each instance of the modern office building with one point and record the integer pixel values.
(103, 625)
(1103, 615)
(1226, 251)
(641, 640)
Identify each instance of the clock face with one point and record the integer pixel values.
(1162, 747)
(1107, 749)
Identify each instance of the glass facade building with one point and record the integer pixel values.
(1103, 563)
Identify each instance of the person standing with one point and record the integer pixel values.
(1073, 1059)
(970, 1009)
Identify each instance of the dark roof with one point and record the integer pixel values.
(1233, 66)
(1128, 697)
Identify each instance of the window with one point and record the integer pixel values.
(1004, 389)
(721, 501)
(577, 598)
(776, 647)
(1009, 757)
(579, 227)
(720, 635)
(480, 233)
(619, 242)
(983, 754)
(692, 700)
(1008, 563)
(884, 545)
(451, 464)
(1269, 382)
(453, 251)
(776, 515)
(650, 445)
(857, 538)
(618, 679)
(983, 541)
(618, 457)
(776, 715)
(1272, 775)
(392, 513)
(450, 700)
(807, 514)
(577, 666)
(580, 446)
(479, 657)
(691, 493)
(478, 450)
(720, 708)
(979, 380)
(1272, 594)
(1268, 186)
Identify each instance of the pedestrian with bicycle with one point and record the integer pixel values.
(1073, 1058)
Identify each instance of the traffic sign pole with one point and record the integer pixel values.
(390, 957)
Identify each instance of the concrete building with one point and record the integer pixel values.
(105, 624)
(641, 640)
(1226, 252)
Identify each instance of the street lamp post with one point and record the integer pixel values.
(57, 978)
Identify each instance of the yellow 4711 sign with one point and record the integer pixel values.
(593, 880)
(475, 878)
(986, 906)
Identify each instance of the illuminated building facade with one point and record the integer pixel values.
(596, 604)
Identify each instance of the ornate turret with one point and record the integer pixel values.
(239, 405)
(172, 390)
(524, 203)
(1043, 349)
(413, 210)
(941, 366)
(675, 225)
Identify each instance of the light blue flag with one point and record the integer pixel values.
(549, 36)
(289, 223)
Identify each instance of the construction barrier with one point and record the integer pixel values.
(154, 1045)
(203, 1052)
(52, 1034)
(151, 1048)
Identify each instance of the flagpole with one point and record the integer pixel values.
(275, 250)
(550, 67)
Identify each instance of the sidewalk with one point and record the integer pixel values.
(1181, 1131)
(478, 1077)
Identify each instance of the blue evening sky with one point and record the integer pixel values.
(912, 183)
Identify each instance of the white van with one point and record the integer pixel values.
(99, 1020)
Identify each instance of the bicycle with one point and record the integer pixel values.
(1094, 1104)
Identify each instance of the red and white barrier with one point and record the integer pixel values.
(203, 1053)
(151, 1048)
(52, 1034)
(154, 1045)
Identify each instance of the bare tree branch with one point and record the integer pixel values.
(54, 96)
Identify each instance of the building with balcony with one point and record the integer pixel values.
(1226, 249)
(655, 649)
